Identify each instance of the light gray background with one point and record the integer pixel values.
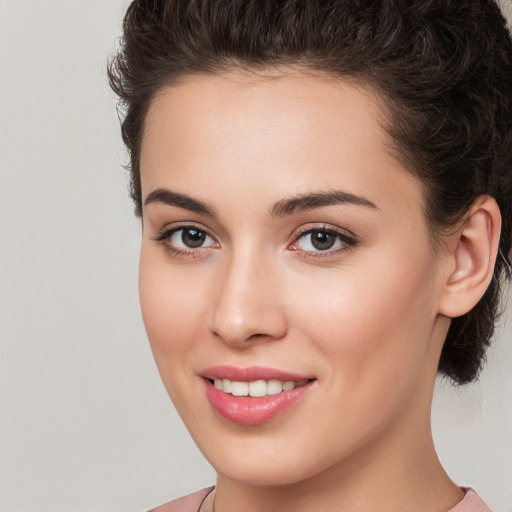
(85, 424)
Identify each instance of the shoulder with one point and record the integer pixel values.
(471, 503)
(189, 503)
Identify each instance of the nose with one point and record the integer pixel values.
(247, 306)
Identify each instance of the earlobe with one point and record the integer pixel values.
(472, 257)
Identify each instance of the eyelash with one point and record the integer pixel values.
(348, 242)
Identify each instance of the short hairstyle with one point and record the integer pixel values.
(442, 67)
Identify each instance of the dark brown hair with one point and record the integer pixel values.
(443, 67)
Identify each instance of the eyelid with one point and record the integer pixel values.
(164, 233)
(309, 228)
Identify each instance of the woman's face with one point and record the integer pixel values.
(285, 255)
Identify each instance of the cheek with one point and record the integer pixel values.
(172, 310)
(376, 321)
(371, 333)
(171, 306)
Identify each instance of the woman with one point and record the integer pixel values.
(324, 190)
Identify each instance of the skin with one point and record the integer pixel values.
(364, 318)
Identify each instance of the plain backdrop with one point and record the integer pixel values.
(85, 424)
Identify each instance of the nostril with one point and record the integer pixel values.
(257, 335)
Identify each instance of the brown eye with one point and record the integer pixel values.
(192, 238)
(187, 238)
(322, 240)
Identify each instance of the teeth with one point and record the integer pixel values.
(226, 385)
(239, 388)
(289, 384)
(274, 387)
(256, 388)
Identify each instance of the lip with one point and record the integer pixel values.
(251, 373)
(246, 410)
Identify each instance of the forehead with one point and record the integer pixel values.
(267, 107)
(287, 132)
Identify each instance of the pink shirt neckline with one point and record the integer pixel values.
(191, 503)
(470, 503)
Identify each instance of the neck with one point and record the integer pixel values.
(378, 480)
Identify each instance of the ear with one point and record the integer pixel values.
(472, 254)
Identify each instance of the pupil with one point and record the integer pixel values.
(193, 238)
(322, 240)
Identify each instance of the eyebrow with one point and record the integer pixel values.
(310, 201)
(165, 196)
(282, 208)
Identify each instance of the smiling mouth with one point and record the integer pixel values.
(254, 395)
(256, 388)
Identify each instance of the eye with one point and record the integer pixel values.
(189, 238)
(318, 240)
(186, 241)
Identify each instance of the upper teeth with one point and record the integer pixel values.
(256, 387)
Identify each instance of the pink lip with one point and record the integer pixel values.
(246, 410)
(250, 374)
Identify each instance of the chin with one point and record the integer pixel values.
(265, 474)
(267, 464)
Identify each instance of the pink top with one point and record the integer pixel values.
(191, 503)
